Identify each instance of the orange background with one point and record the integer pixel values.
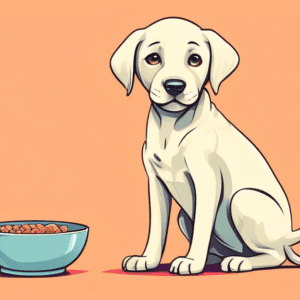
(71, 140)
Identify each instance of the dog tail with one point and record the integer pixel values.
(290, 240)
(291, 255)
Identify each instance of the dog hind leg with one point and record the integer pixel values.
(263, 226)
(260, 261)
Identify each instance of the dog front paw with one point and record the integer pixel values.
(138, 263)
(185, 266)
(236, 264)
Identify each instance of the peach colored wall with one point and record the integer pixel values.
(71, 140)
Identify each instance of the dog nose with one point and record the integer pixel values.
(174, 86)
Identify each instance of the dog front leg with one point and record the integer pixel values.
(207, 185)
(160, 205)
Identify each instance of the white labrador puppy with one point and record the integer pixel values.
(233, 209)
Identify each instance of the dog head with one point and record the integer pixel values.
(174, 59)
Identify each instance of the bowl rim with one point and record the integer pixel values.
(44, 234)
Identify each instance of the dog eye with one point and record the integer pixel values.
(195, 60)
(153, 59)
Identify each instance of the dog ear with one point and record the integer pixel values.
(122, 62)
(224, 59)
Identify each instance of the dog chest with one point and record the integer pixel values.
(172, 170)
(168, 163)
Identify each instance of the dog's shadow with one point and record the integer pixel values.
(210, 270)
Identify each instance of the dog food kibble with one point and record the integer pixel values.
(54, 227)
(64, 228)
(33, 229)
(26, 227)
(16, 227)
(42, 230)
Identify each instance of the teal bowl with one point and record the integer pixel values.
(41, 254)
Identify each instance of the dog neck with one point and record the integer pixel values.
(167, 120)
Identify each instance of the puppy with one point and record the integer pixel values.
(233, 209)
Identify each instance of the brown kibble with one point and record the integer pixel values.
(51, 228)
(33, 228)
(54, 227)
(64, 228)
(26, 227)
(16, 227)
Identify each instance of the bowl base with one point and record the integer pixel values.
(32, 273)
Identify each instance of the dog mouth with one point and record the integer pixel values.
(174, 100)
(173, 105)
(176, 103)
